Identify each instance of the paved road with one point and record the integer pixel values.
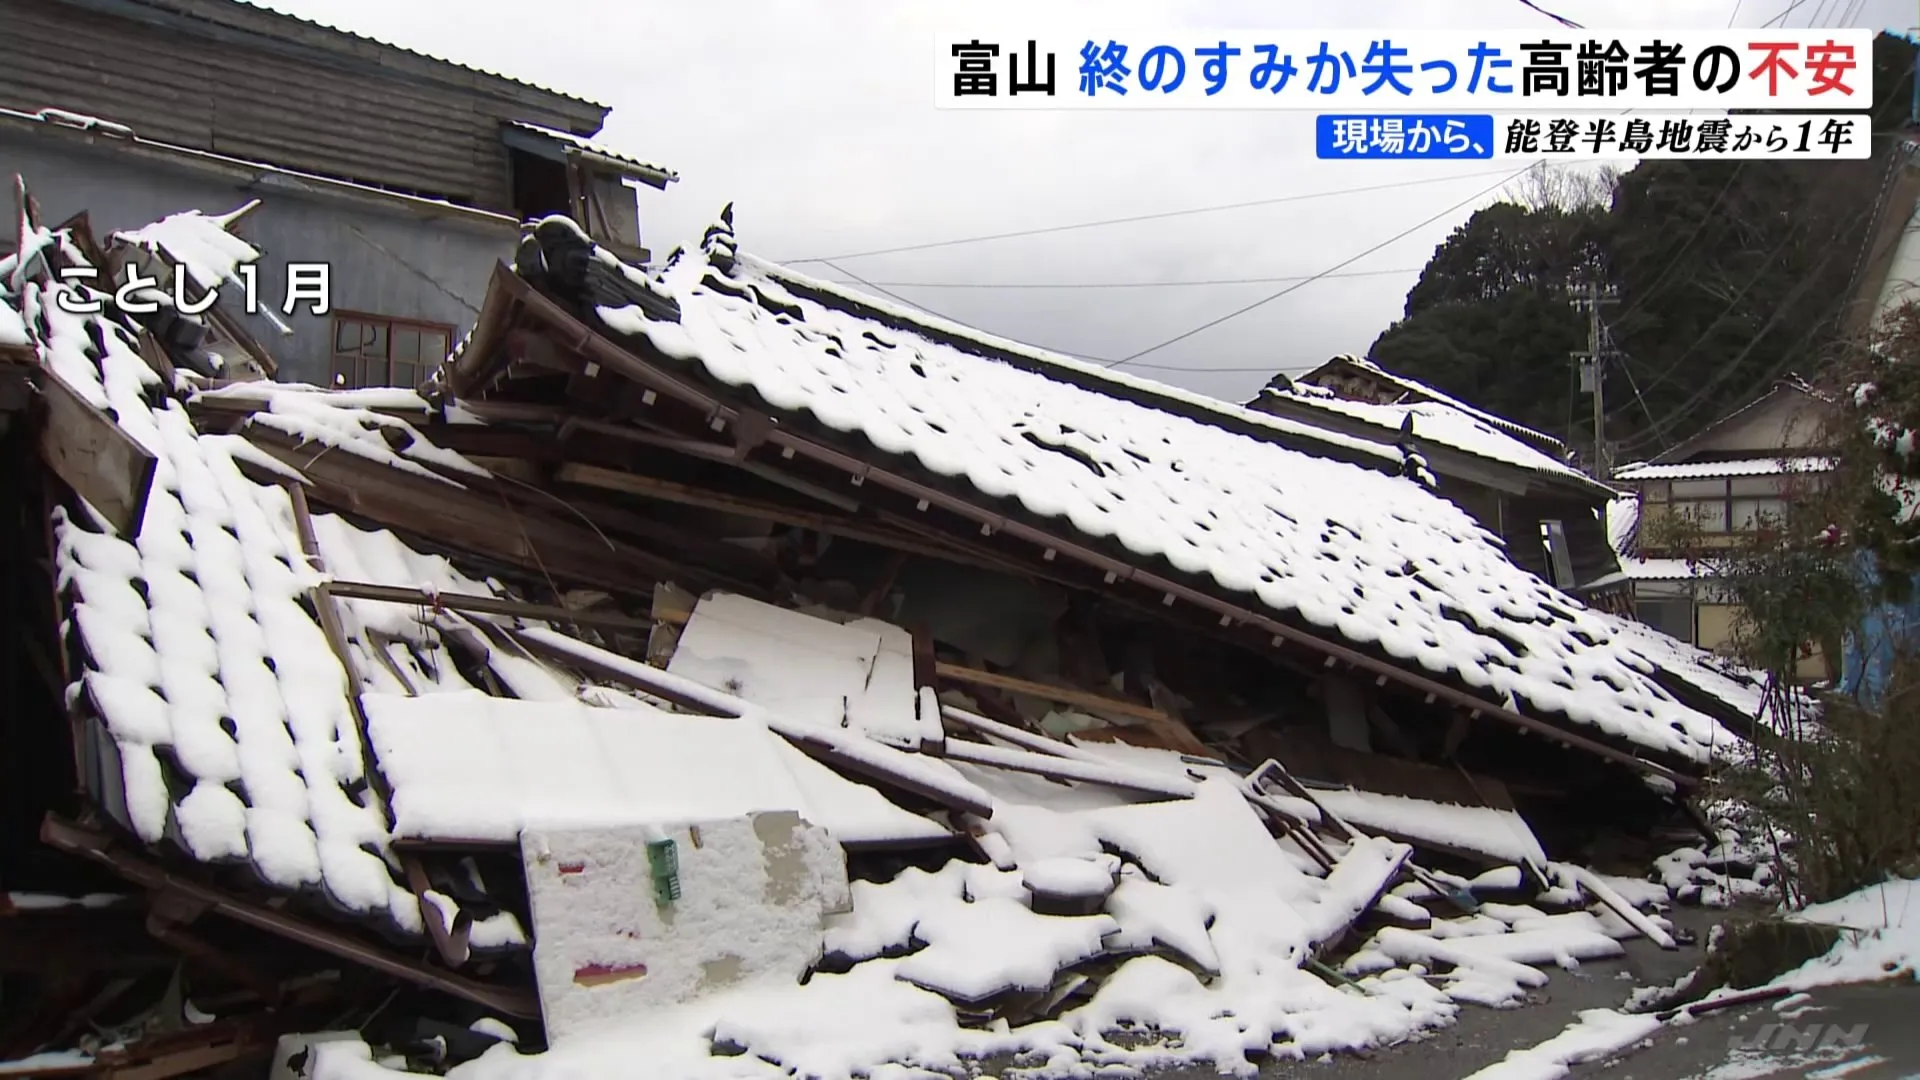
(1888, 1047)
(1869, 1032)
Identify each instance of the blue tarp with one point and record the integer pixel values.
(1884, 631)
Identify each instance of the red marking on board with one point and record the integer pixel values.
(601, 974)
(572, 868)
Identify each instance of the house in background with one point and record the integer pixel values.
(406, 175)
(1515, 481)
(1727, 483)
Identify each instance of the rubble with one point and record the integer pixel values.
(720, 668)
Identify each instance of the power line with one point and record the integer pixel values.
(1673, 260)
(1160, 216)
(1656, 432)
(1869, 215)
(1190, 283)
(863, 281)
(1395, 238)
(1562, 20)
(1790, 8)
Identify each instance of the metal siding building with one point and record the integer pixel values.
(406, 174)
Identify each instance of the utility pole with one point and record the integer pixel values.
(1593, 369)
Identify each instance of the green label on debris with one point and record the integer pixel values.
(663, 858)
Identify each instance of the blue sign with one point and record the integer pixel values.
(1407, 137)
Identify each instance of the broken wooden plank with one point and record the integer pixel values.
(672, 607)
(1059, 695)
(86, 448)
(156, 358)
(871, 761)
(1039, 744)
(617, 669)
(1059, 768)
(1620, 906)
(72, 838)
(484, 605)
(465, 517)
(449, 941)
(1355, 883)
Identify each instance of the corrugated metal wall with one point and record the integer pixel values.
(244, 101)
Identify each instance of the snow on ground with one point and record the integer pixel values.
(1599, 1033)
(1882, 939)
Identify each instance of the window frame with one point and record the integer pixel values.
(1734, 509)
(351, 370)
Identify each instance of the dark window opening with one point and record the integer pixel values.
(540, 186)
(1672, 617)
(379, 350)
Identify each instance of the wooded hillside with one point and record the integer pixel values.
(1729, 276)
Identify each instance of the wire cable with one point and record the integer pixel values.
(1728, 369)
(1788, 11)
(1342, 264)
(1159, 216)
(1561, 19)
(1182, 284)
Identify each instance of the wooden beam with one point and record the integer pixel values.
(484, 605)
(661, 689)
(449, 941)
(100, 462)
(1059, 695)
(648, 487)
(466, 518)
(1039, 744)
(1105, 774)
(156, 358)
(72, 838)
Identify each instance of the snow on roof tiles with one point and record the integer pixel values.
(228, 728)
(1375, 559)
(1705, 470)
(1422, 390)
(591, 147)
(1623, 524)
(1439, 422)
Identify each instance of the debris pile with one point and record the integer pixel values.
(722, 669)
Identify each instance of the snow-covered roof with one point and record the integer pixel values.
(1420, 391)
(224, 725)
(1381, 452)
(1639, 569)
(1376, 560)
(1623, 524)
(1706, 470)
(659, 175)
(1435, 421)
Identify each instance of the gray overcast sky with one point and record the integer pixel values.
(815, 118)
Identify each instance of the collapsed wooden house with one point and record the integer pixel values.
(285, 655)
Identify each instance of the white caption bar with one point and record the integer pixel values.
(1835, 137)
(1095, 66)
